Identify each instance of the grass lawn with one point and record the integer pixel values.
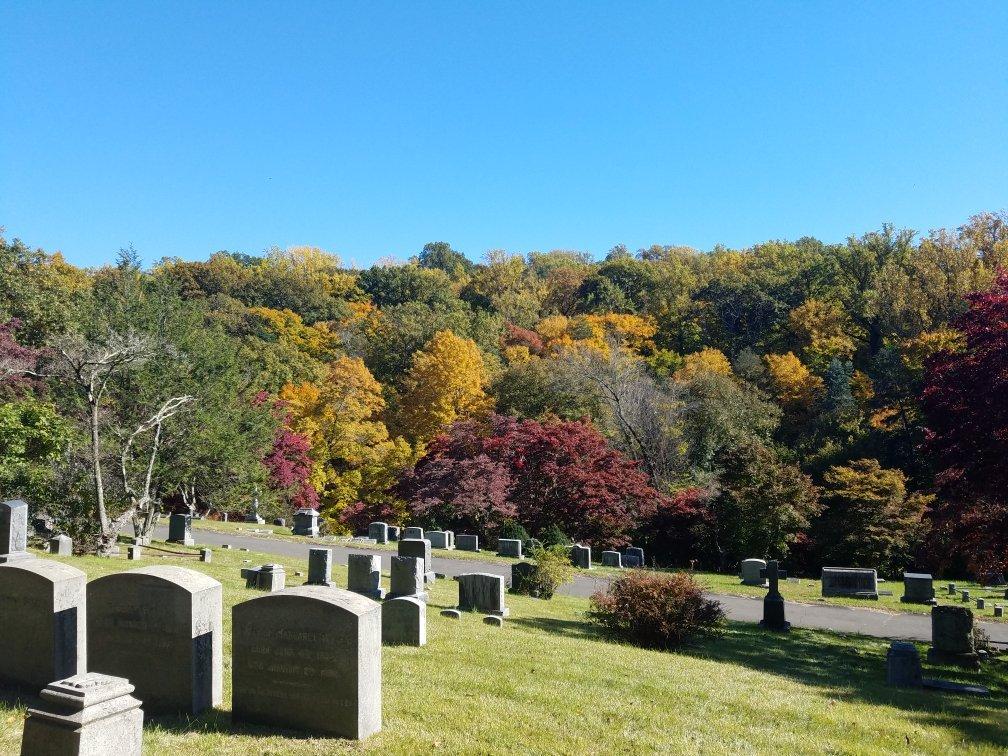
(547, 683)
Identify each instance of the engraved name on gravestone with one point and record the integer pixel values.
(42, 622)
(13, 531)
(160, 628)
(308, 658)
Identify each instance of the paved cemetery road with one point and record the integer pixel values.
(822, 617)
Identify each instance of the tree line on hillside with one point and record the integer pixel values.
(813, 402)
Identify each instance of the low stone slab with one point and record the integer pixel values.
(415, 533)
(160, 628)
(404, 621)
(43, 622)
(467, 542)
(509, 547)
(611, 559)
(332, 682)
(903, 665)
(493, 619)
(441, 539)
(854, 582)
(89, 714)
(918, 588)
(752, 571)
(482, 592)
(451, 613)
(364, 575)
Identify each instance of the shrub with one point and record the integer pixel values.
(512, 529)
(655, 610)
(551, 535)
(551, 570)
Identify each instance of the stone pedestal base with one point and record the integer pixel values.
(967, 660)
(85, 715)
(773, 614)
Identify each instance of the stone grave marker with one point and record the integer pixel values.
(379, 532)
(160, 628)
(441, 539)
(364, 575)
(414, 533)
(134, 552)
(509, 547)
(633, 556)
(951, 589)
(14, 531)
(206, 555)
(306, 523)
(965, 596)
(61, 545)
(308, 658)
(998, 610)
(89, 714)
(265, 577)
(43, 622)
(407, 577)
(611, 559)
(393, 532)
(752, 571)
(404, 621)
(320, 566)
(467, 542)
(952, 639)
(180, 529)
(581, 556)
(419, 547)
(903, 665)
(918, 588)
(482, 592)
(981, 603)
(853, 582)
(773, 603)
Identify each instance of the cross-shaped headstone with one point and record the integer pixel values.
(773, 573)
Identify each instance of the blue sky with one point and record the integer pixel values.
(371, 128)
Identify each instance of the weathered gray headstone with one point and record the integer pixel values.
(509, 547)
(180, 529)
(265, 577)
(206, 555)
(965, 596)
(493, 619)
(482, 592)
(89, 714)
(451, 613)
(951, 589)
(998, 610)
(467, 542)
(378, 531)
(134, 552)
(337, 692)
(160, 628)
(419, 547)
(611, 559)
(633, 556)
(952, 640)
(42, 622)
(320, 566)
(903, 665)
(364, 575)
(441, 539)
(404, 621)
(415, 533)
(752, 572)
(306, 523)
(581, 556)
(981, 603)
(13, 531)
(918, 588)
(393, 532)
(854, 582)
(407, 577)
(61, 545)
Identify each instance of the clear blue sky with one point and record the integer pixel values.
(369, 129)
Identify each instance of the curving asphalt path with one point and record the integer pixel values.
(844, 619)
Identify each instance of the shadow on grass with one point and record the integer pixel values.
(579, 629)
(215, 721)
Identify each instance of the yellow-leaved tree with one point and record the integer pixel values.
(795, 385)
(709, 360)
(446, 382)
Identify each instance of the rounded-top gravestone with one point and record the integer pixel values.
(42, 622)
(160, 628)
(308, 658)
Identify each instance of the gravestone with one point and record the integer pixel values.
(773, 603)
(467, 542)
(752, 572)
(266, 577)
(335, 687)
(965, 596)
(482, 592)
(951, 589)
(581, 556)
(991, 579)
(952, 639)
(404, 621)
(206, 555)
(918, 588)
(522, 578)
(180, 529)
(393, 532)
(378, 531)
(407, 577)
(160, 628)
(61, 545)
(253, 515)
(419, 547)
(280, 522)
(903, 665)
(451, 613)
(633, 556)
(441, 539)
(306, 523)
(364, 575)
(998, 610)
(89, 714)
(134, 552)
(320, 566)
(42, 622)
(981, 603)
(509, 547)
(611, 559)
(853, 582)
(414, 533)
(14, 531)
